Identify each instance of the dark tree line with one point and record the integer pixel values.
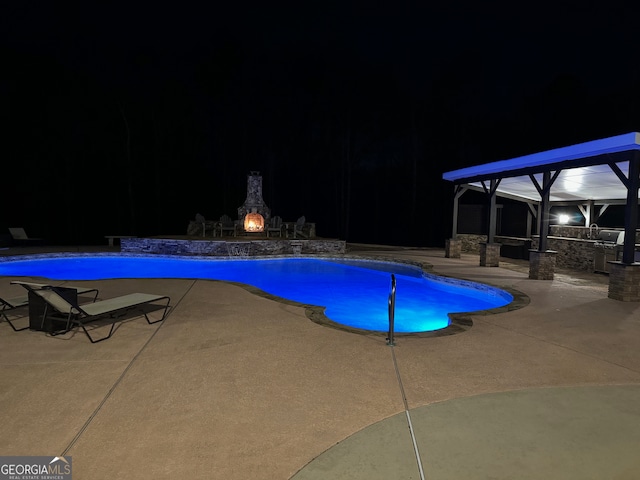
(141, 147)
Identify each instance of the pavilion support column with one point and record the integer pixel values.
(624, 281)
(631, 210)
(624, 276)
(542, 262)
(533, 212)
(453, 246)
(542, 265)
(590, 218)
(490, 254)
(491, 229)
(490, 251)
(545, 212)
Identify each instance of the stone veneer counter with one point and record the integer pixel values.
(576, 253)
(573, 253)
(232, 247)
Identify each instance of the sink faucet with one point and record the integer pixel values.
(592, 227)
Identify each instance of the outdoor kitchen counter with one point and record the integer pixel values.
(581, 253)
(576, 253)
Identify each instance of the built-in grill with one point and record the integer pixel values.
(607, 247)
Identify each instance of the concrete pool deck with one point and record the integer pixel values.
(234, 386)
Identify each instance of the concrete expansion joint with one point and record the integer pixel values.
(407, 414)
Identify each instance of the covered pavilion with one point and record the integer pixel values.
(590, 175)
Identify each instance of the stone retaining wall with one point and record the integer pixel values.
(232, 248)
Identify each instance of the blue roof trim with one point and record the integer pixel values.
(619, 143)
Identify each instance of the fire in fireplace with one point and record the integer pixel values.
(253, 222)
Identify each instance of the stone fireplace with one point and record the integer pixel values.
(254, 214)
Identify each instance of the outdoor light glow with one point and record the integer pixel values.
(563, 218)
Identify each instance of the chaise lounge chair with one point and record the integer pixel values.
(66, 308)
(20, 237)
(13, 303)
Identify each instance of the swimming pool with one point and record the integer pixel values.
(354, 292)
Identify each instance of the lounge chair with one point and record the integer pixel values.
(13, 303)
(64, 307)
(20, 237)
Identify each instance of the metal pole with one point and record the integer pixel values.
(392, 307)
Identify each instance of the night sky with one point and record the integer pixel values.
(131, 120)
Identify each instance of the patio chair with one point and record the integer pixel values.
(66, 308)
(201, 221)
(227, 225)
(20, 237)
(299, 228)
(14, 303)
(275, 226)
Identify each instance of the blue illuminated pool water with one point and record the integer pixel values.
(354, 292)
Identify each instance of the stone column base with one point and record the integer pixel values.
(542, 265)
(452, 248)
(490, 254)
(624, 281)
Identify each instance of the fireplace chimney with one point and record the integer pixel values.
(254, 202)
